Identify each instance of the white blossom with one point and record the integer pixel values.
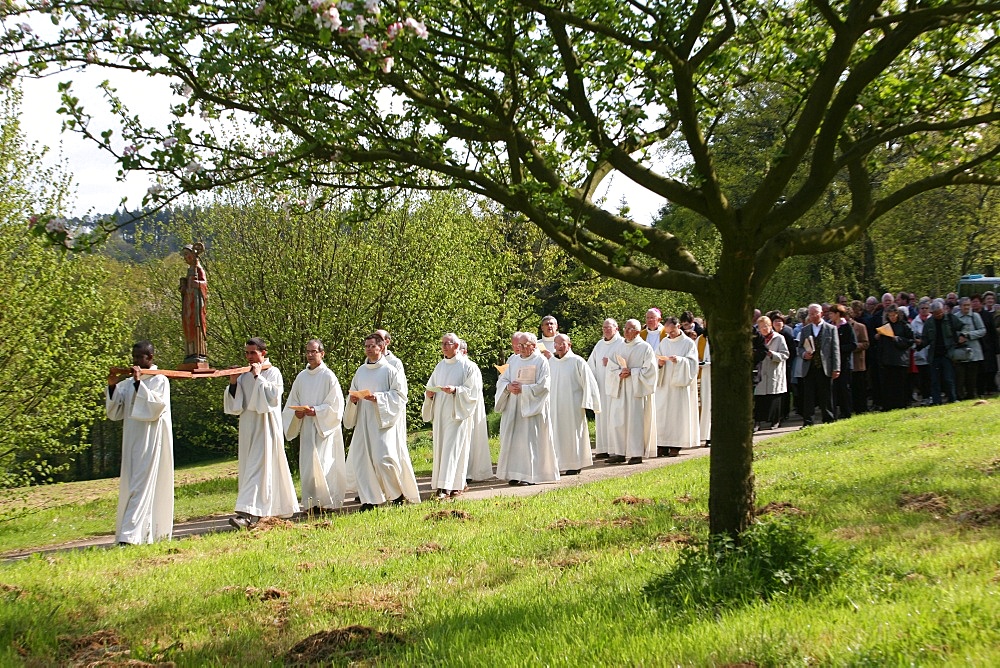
(25, 28)
(387, 64)
(368, 44)
(372, 7)
(154, 190)
(170, 142)
(418, 28)
(193, 167)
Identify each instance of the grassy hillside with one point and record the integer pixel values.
(878, 545)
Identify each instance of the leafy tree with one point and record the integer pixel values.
(61, 324)
(532, 103)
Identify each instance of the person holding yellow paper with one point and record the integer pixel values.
(450, 406)
(379, 466)
(598, 362)
(527, 452)
(630, 383)
(313, 413)
(677, 422)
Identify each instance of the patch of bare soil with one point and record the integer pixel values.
(101, 648)
(671, 539)
(684, 498)
(928, 502)
(448, 514)
(630, 500)
(270, 523)
(980, 517)
(253, 593)
(622, 522)
(379, 600)
(428, 548)
(352, 642)
(14, 591)
(778, 508)
(991, 467)
(568, 562)
(981, 402)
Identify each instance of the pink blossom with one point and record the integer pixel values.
(360, 22)
(131, 149)
(371, 6)
(418, 28)
(387, 64)
(169, 142)
(368, 44)
(347, 6)
(394, 30)
(25, 28)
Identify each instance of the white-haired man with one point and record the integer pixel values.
(574, 392)
(630, 381)
(598, 362)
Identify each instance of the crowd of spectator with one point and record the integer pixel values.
(850, 357)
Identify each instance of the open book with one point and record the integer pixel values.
(360, 394)
(526, 375)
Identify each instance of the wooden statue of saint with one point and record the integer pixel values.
(194, 293)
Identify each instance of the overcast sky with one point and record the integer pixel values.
(96, 173)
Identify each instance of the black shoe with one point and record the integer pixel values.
(365, 507)
(616, 459)
(572, 472)
(239, 522)
(673, 450)
(601, 455)
(708, 443)
(399, 500)
(635, 460)
(514, 483)
(524, 483)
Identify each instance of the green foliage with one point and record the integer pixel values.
(63, 323)
(774, 558)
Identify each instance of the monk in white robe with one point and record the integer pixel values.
(677, 417)
(527, 453)
(704, 388)
(574, 391)
(480, 457)
(598, 363)
(653, 331)
(313, 413)
(265, 481)
(547, 343)
(450, 405)
(146, 490)
(379, 461)
(630, 381)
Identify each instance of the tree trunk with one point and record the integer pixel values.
(731, 490)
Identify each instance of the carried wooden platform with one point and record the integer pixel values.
(199, 372)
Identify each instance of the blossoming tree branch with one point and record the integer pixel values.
(534, 104)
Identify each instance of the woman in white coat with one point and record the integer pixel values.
(771, 380)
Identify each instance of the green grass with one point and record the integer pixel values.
(858, 570)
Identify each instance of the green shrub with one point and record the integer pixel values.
(775, 558)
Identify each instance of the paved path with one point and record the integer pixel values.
(477, 490)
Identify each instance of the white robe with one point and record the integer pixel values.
(379, 461)
(265, 481)
(452, 418)
(677, 418)
(527, 452)
(548, 344)
(322, 468)
(146, 490)
(574, 390)
(602, 420)
(705, 392)
(630, 408)
(480, 457)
